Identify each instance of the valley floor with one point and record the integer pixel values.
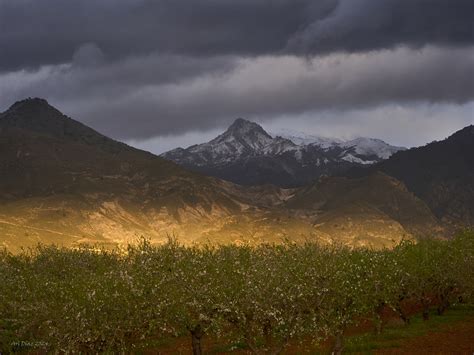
(456, 338)
(452, 333)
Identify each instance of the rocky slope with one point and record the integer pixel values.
(61, 181)
(246, 154)
(440, 173)
(364, 208)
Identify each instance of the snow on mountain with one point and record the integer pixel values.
(361, 146)
(301, 138)
(245, 153)
(242, 139)
(371, 146)
(353, 159)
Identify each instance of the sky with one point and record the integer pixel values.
(159, 74)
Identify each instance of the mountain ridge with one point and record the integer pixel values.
(441, 173)
(363, 145)
(246, 154)
(36, 114)
(62, 182)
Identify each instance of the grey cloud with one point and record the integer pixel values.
(272, 86)
(364, 25)
(89, 78)
(88, 54)
(145, 68)
(43, 32)
(35, 33)
(137, 99)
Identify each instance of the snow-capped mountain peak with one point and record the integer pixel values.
(361, 146)
(244, 136)
(242, 127)
(242, 139)
(246, 153)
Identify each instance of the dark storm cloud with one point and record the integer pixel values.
(146, 68)
(89, 79)
(34, 33)
(139, 98)
(364, 25)
(268, 87)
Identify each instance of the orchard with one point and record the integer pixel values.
(264, 297)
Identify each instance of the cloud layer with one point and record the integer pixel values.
(35, 33)
(142, 97)
(146, 68)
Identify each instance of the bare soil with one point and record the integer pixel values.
(457, 338)
(452, 338)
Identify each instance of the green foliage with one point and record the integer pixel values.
(89, 300)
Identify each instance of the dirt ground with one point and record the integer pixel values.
(457, 338)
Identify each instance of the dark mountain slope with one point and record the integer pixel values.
(440, 173)
(369, 204)
(43, 151)
(36, 115)
(62, 181)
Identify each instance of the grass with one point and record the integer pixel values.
(394, 336)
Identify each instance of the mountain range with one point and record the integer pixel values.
(62, 182)
(248, 155)
(440, 173)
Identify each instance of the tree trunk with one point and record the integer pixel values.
(378, 320)
(267, 336)
(426, 312)
(444, 302)
(443, 306)
(425, 302)
(400, 310)
(338, 344)
(378, 326)
(441, 309)
(403, 316)
(196, 336)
